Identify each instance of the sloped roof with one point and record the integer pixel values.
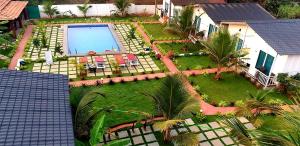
(282, 35)
(10, 10)
(187, 2)
(34, 109)
(236, 12)
(142, 2)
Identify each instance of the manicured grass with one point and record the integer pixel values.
(177, 48)
(103, 19)
(230, 89)
(194, 62)
(125, 97)
(157, 32)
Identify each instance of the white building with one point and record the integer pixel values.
(274, 47)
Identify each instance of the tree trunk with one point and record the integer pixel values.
(218, 75)
(167, 135)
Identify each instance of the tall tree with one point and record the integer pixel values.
(221, 47)
(173, 102)
(84, 8)
(186, 18)
(49, 9)
(122, 6)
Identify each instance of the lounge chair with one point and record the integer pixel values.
(132, 60)
(99, 62)
(120, 60)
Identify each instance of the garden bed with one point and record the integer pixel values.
(180, 48)
(157, 32)
(230, 89)
(194, 62)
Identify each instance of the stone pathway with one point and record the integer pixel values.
(22, 45)
(209, 134)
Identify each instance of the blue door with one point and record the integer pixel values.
(264, 62)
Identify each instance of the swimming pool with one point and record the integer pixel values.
(99, 38)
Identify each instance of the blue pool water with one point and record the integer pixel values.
(85, 38)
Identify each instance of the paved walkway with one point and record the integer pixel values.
(22, 45)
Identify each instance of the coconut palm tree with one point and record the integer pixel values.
(131, 36)
(122, 6)
(84, 8)
(173, 102)
(49, 9)
(254, 107)
(221, 47)
(186, 19)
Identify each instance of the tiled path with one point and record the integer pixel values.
(22, 45)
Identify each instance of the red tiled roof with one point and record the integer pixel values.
(131, 57)
(187, 2)
(10, 10)
(119, 59)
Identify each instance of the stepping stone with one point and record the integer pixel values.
(205, 143)
(220, 132)
(189, 121)
(217, 142)
(204, 127)
(148, 129)
(123, 134)
(155, 129)
(227, 140)
(210, 134)
(136, 132)
(182, 130)
(63, 69)
(112, 136)
(202, 137)
(153, 144)
(194, 129)
(138, 140)
(214, 125)
(173, 132)
(150, 137)
(243, 119)
(249, 126)
(63, 73)
(72, 76)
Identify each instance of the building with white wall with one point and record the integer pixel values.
(274, 47)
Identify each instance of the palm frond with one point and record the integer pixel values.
(165, 125)
(121, 142)
(186, 139)
(97, 132)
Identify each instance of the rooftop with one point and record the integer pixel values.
(11, 10)
(34, 109)
(236, 12)
(281, 35)
(187, 2)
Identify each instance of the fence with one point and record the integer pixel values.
(100, 9)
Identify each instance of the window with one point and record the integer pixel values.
(211, 29)
(239, 44)
(264, 62)
(197, 23)
(166, 7)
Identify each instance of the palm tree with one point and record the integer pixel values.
(186, 19)
(173, 102)
(122, 6)
(221, 48)
(84, 8)
(254, 107)
(130, 37)
(49, 9)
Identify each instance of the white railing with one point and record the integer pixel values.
(264, 79)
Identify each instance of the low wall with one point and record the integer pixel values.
(100, 9)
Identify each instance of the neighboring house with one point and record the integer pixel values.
(209, 17)
(35, 109)
(170, 6)
(14, 12)
(274, 47)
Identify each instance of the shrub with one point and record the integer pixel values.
(111, 82)
(147, 78)
(223, 103)
(199, 117)
(205, 97)
(135, 79)
(239, 103)
(122, 81)
(98, 83)
(156, 77)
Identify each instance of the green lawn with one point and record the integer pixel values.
(156, 32)
(230, 89)
(126, 97)
(103, 19)
(194, 62)
(177, 48)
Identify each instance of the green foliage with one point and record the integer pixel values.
(289, 11)
(120, 142)
(186, 18)
(36, 42)
(57, 48)
(97, 132)
(223, 103)
(84, 8)
(49, 9)
(122, 6)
